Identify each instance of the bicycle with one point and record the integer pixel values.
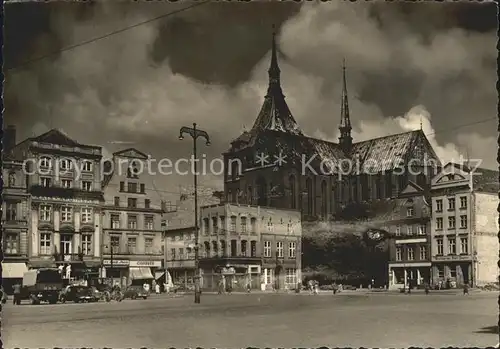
(115, 295)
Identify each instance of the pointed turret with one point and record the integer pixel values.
(274, 70)
(345, 139)
(275, 114)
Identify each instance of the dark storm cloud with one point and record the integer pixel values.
(209, 65)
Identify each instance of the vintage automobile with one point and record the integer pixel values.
(134, 292)
(77, 294)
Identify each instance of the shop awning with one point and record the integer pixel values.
(13, 270)
(140, 273)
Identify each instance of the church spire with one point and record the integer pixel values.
(274, 70)
(345, 128)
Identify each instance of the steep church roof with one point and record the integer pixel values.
(276, 127)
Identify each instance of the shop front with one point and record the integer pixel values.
(12, 273)
(141, 272)
(406, 274)
(117, 270)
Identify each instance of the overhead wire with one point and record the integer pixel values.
(98, 38)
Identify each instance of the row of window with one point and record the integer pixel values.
(66, 214)
(115, 223)
(131, 202)
(212, 249)
(65, 164)
(132, 187)
(66, 183)
(451, 204)
(452, 222)
(220, 222)
(421, 230)
(66, 244)
(452, 245)
(411, 253)
(290, 276)
(131, 247)
(292, 247)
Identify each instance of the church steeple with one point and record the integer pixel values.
(275, 114)
(274, 70)
(345, 139)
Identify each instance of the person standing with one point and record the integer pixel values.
(427, 287)
(146, 287)
(157, 288)
(335, 288)
(17, 294)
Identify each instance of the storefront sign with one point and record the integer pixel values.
(117, 262)
(156, 264)
(452, 258)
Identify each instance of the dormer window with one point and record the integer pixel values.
(66, 164)
(45, 162)
(87, 166)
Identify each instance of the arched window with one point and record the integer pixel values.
(324, 200)
(12, 179)
(310, 195)
(261, 192)
(250, 195)
(207, 249)
(293, 192)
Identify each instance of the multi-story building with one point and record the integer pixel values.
(16, 206)
(132, 214)
(409, 257)
(63, 179)
(180, 236)
(250, 244)
(464, 225)
(275, 164)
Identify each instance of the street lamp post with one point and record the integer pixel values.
(195, 134)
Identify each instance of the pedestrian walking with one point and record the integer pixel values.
(157, 288)
(316, 287)
(426, 288)
(335, 288)
(165, 287)
(466, 289)
(17, 294)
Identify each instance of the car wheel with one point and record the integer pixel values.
(134, 296)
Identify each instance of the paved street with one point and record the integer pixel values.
(263, 320)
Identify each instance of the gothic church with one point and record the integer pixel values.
(320, 194)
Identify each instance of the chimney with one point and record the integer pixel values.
(9, 137)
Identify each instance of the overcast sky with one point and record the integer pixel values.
(434, 62)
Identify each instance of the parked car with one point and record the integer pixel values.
(134, 292)
(78, 294)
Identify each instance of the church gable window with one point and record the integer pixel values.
(324, 200)
(293, 192)
(310, 195)
(261, 192)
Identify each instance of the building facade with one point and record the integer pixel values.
(464, 226)
(133, 245)
(308, 174)
(179, 255)
(63, 180)
(409, 257)
(244, 244)
(16, 205)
